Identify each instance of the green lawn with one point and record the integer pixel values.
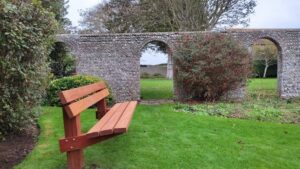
(160, 137)
(262, 84)
(262, 87)
(163, 88)
(187, 136)
(156, 89)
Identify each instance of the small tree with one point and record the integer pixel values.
(209, 66)
(267, 52)
(26, 34)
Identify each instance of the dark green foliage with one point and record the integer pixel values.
(158, 75)
(258, 69)
(25, 38)
(208, 66)
(68, 83)
(145, 75)
(62, 63)
(59, 9)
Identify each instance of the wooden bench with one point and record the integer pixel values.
(112, 122)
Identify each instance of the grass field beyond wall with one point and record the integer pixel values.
(156, 89)
(163, 88)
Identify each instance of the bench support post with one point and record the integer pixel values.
(101, 109)
(72, 129)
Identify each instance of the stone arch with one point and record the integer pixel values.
(169, 52)
(115, 57)
(147, 41)
(62, 49)
(279, 59)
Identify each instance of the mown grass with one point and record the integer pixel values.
(262, 87)
(163, 88)
(160, 137)
(156, 89)
(188, 136)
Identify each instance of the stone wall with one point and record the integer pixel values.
(116, 57)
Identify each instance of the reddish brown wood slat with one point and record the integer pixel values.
(68, 96)
(94, 131)
(109, 126)
(123, 123)
(76, 108)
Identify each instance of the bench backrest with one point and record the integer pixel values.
(79, 99)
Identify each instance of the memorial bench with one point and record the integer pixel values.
(112, 122)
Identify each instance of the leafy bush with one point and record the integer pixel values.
(68, 83)
(209, 66)
(26, 34)
(62, 63)
(158, 75)
(145, 75)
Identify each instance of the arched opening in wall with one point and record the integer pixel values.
(62, 62)
(266, 70)
(156, 71)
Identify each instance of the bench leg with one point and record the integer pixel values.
(72, 129)
(75, 159)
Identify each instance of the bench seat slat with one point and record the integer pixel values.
(68, 96)
(123, 123)
(109, 126)
(94, 131)
(76, 108)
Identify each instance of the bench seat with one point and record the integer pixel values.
(115, 121)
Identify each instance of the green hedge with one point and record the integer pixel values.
(26, 35)
(68, 83)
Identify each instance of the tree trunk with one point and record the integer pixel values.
(266, 69)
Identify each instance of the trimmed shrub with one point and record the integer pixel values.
(208, 66)
(26, 34)
(68, 83)
(158, 75)
(145, 75)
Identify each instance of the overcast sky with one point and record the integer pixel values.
(268, 14)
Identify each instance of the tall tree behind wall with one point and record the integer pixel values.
(62, 63)
(59, 8)
(119, 16)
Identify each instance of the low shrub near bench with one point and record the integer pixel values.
(69, 82)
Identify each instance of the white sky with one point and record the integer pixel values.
(268, 14)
